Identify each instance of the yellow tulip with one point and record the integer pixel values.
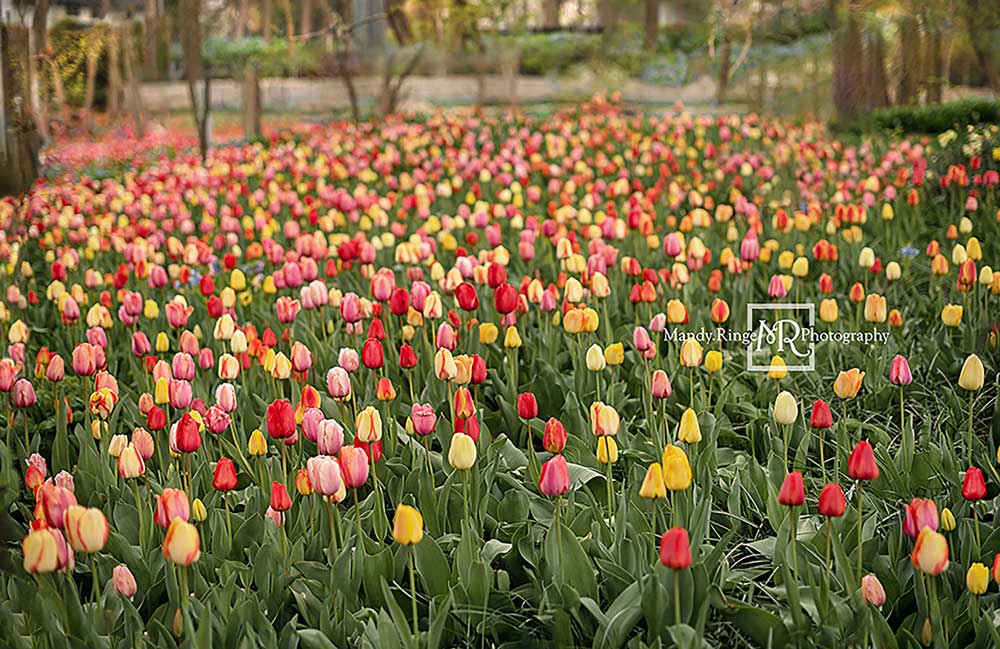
(690, 430)
(713, 360)
(614, 354)
(848, 383)
(488, 333)
(778, 370)
(676, 468)
(607, 450)
(973, 374)
(652, 484)
(407, 526)
(977, 578)
(512, 340)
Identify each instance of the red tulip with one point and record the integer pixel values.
(280, 418)
(527, 406)
(399, 302)
(225, 475)
(156, 419)
(478, 369)
(973, 486)
(505, 298)
(371, 353)
(821, 415)
(188, 434)
(280, 501)
(861, 463)
(353, 466)
(467, 297)
(793, 492)
(675, 549)
(407, 357)
(831, 501)
(495, 275)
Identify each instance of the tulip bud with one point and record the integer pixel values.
(973, 485)
(689, 430)
(182, 544)
(86, 528)
(462, 454)
(792, 493)
(407, 526)
(652, 483)
(871, 589)
(554, 478)
(554, 437)
(973, 374)
(947, 520)
(832, 503)
(930, 552)
(607, 450)
(861, 462)
(198, 511)
(675, 549)
(280, 500)
(123, 581)
(977, 578)
(785, 410)
(595, 358)
(257, 445)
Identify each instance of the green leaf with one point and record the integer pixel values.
(315, 639)
(621, 618)
(432, 566)
(568, 562)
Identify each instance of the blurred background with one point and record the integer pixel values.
(235, 68)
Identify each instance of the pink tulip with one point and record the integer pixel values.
(899, 371)
(424, 418)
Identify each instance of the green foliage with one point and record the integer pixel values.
(933, 118)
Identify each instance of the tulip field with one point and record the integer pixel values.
(449, 381)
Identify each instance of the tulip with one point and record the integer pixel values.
(713, 361)
(689, 430)
(676, 469)
(368, 425)
(45, 550)
(257, 445)
(971, 379)
(596, 361)
(280, 419)
(660, 385)
(875, 308)
(607, 451)
(977, 578)
(182, 544)
(123, 581)
(198, 511)
(224, 477)
(86, 528)
(951, 315)
(130, 462)
(861, 463)
(675, 553)
(777, 370)
(171, 504)
(407, 526)
(792, 493)
(462, 454)
(554, 437)
(920, 513)
(653, 486)
(872, 591)
(353, 466)
(527, 406)
(832, 503)
(848, 383)
(424, 418)
(604, 420)
(54, 500)
(614, 354)
(280, 500)
(995, 570)
(553, 481)
(930, 552)
(947, 520)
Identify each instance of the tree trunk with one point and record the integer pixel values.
(151, 27)
(399, 22)
(39, 96)
(251, 102)
(242, 16)
(934, 66)
(981, 19)
(550, 14)
(114, 74)
(909, 60)
(876, 82)
(267, 13)
(847, 62)
(289, 24)
(194, 69)
(305, 21)
(93, 57)
(133, 98)
(725, 56)
(651, 25)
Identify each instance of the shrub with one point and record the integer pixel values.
(934, 118)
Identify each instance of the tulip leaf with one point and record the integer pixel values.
(567, 560)
(764, 627)
(432, 566)
(315, 639)
(621, 618)
(398, 619)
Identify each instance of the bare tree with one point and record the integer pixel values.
(94, 44)
(267, 15)
(242, 17)
(550, 14)
(39, 40)
(132, 97)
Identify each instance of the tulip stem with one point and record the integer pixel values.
(413, 593)
(182, 572)
(829, 534)
(968, 450)
(465, 499)
(861, 547)
(902, 412)
(611, 497)
(677, 597)
(792, 533)
(357, 517)
(95, 588)
(822, 454)
(975, 518)
(427, 455)
(140, 514)
(333, 532)
(229, 515)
